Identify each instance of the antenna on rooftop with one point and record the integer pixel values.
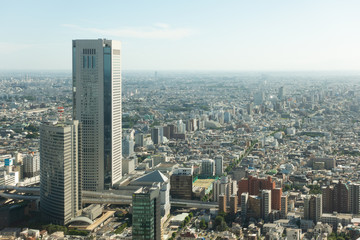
(60, 112)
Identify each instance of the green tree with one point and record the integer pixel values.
(203, 224)
(222, 226)
(219, 220)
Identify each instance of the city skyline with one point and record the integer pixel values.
(236, 36)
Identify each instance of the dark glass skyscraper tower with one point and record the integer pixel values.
(146, 217)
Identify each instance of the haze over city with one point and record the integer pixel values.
(258, 35)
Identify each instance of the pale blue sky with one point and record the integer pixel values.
(253, 35)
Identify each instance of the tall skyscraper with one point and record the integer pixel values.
(97, 106)
(60, 183)
(146, 218)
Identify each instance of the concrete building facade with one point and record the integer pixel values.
(97, 106)
(60, 182)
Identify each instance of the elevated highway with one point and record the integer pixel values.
(104, 197)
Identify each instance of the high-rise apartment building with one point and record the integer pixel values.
(336, 198)
(254, 185)
(146, 218)
(284, 206)
(265, 204)
(233, 204)
(97, 106)
(31, 164)
(354, 198)
(276, 194)
(139, 140)
(60, 183)
(313, 207)
(222, 203)
(219, 165)
(244, 205)
(208, 167)
(224, 185)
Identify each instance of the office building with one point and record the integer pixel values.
(259, 98)
(139, 140)
(208, 167)
(146, 217)
(219, 165)
(281, 94)
(250, 108)
(166, 132)
(162, 182)
(227, 117)
(313, 207)
(155, 135)
(128, 147)
(97, 106)
(181, 183)
(60, 183)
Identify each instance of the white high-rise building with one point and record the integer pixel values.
(60, 183)
(265, 204)
(97, 106)
(244, 205)
(31, 164)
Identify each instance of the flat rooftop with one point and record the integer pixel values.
(203, 183)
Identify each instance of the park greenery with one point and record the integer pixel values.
(183, 224)
(314, 189)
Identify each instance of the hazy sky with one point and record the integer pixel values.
(186, 35)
